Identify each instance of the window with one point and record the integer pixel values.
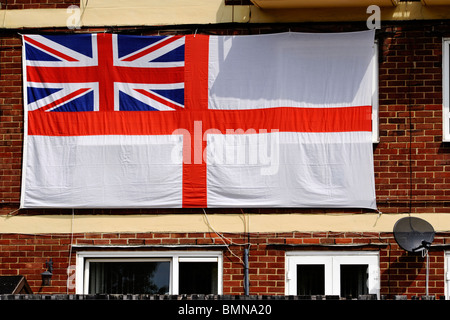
(347, 274)
(149, 272)
(447, 274)
(446, 90)
(375, 102)
(197, 277)
(122, 276)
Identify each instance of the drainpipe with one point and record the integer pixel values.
(246, 280)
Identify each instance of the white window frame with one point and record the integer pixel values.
(333, 261)
(375, 100)
(446, 89)
(83, 259)
(447, 274)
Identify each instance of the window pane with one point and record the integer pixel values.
(129, 277)
(354, 280)
(198, 277)
(310, 279)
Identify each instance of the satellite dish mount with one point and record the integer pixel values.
(415, 235)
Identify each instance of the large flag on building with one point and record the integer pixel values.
(121, 121)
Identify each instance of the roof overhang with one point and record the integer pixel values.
(291, 4)
(435, 2)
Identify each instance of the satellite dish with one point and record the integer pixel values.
(413, 234)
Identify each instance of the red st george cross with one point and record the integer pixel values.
(195, 118)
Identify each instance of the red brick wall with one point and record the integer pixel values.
(412, 171)
(411, 161)
(11, 118)
(401, 273)
(38, 4)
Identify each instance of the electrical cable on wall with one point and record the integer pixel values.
(70, 251)
(410, 131)
(224, 239)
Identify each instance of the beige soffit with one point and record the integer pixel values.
(290, 4)
(158, 12)
(436, 2)
(101, 13)
(182, 223)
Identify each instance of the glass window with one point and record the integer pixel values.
(348, 274)
(354, 280)
(129, 277)
(149, 273)
(310, 279)
(447, 275)
(198, 278)
(375, 101)
(446, 89)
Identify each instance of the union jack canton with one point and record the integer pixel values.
(104, 72)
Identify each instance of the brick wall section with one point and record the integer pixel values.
(38, 4)
(402, 273)
(412, 171)
(11, 118)
(411, 161)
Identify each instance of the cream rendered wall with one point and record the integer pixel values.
(100, 13)
(234, 223)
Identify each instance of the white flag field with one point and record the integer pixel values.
(275, 121)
